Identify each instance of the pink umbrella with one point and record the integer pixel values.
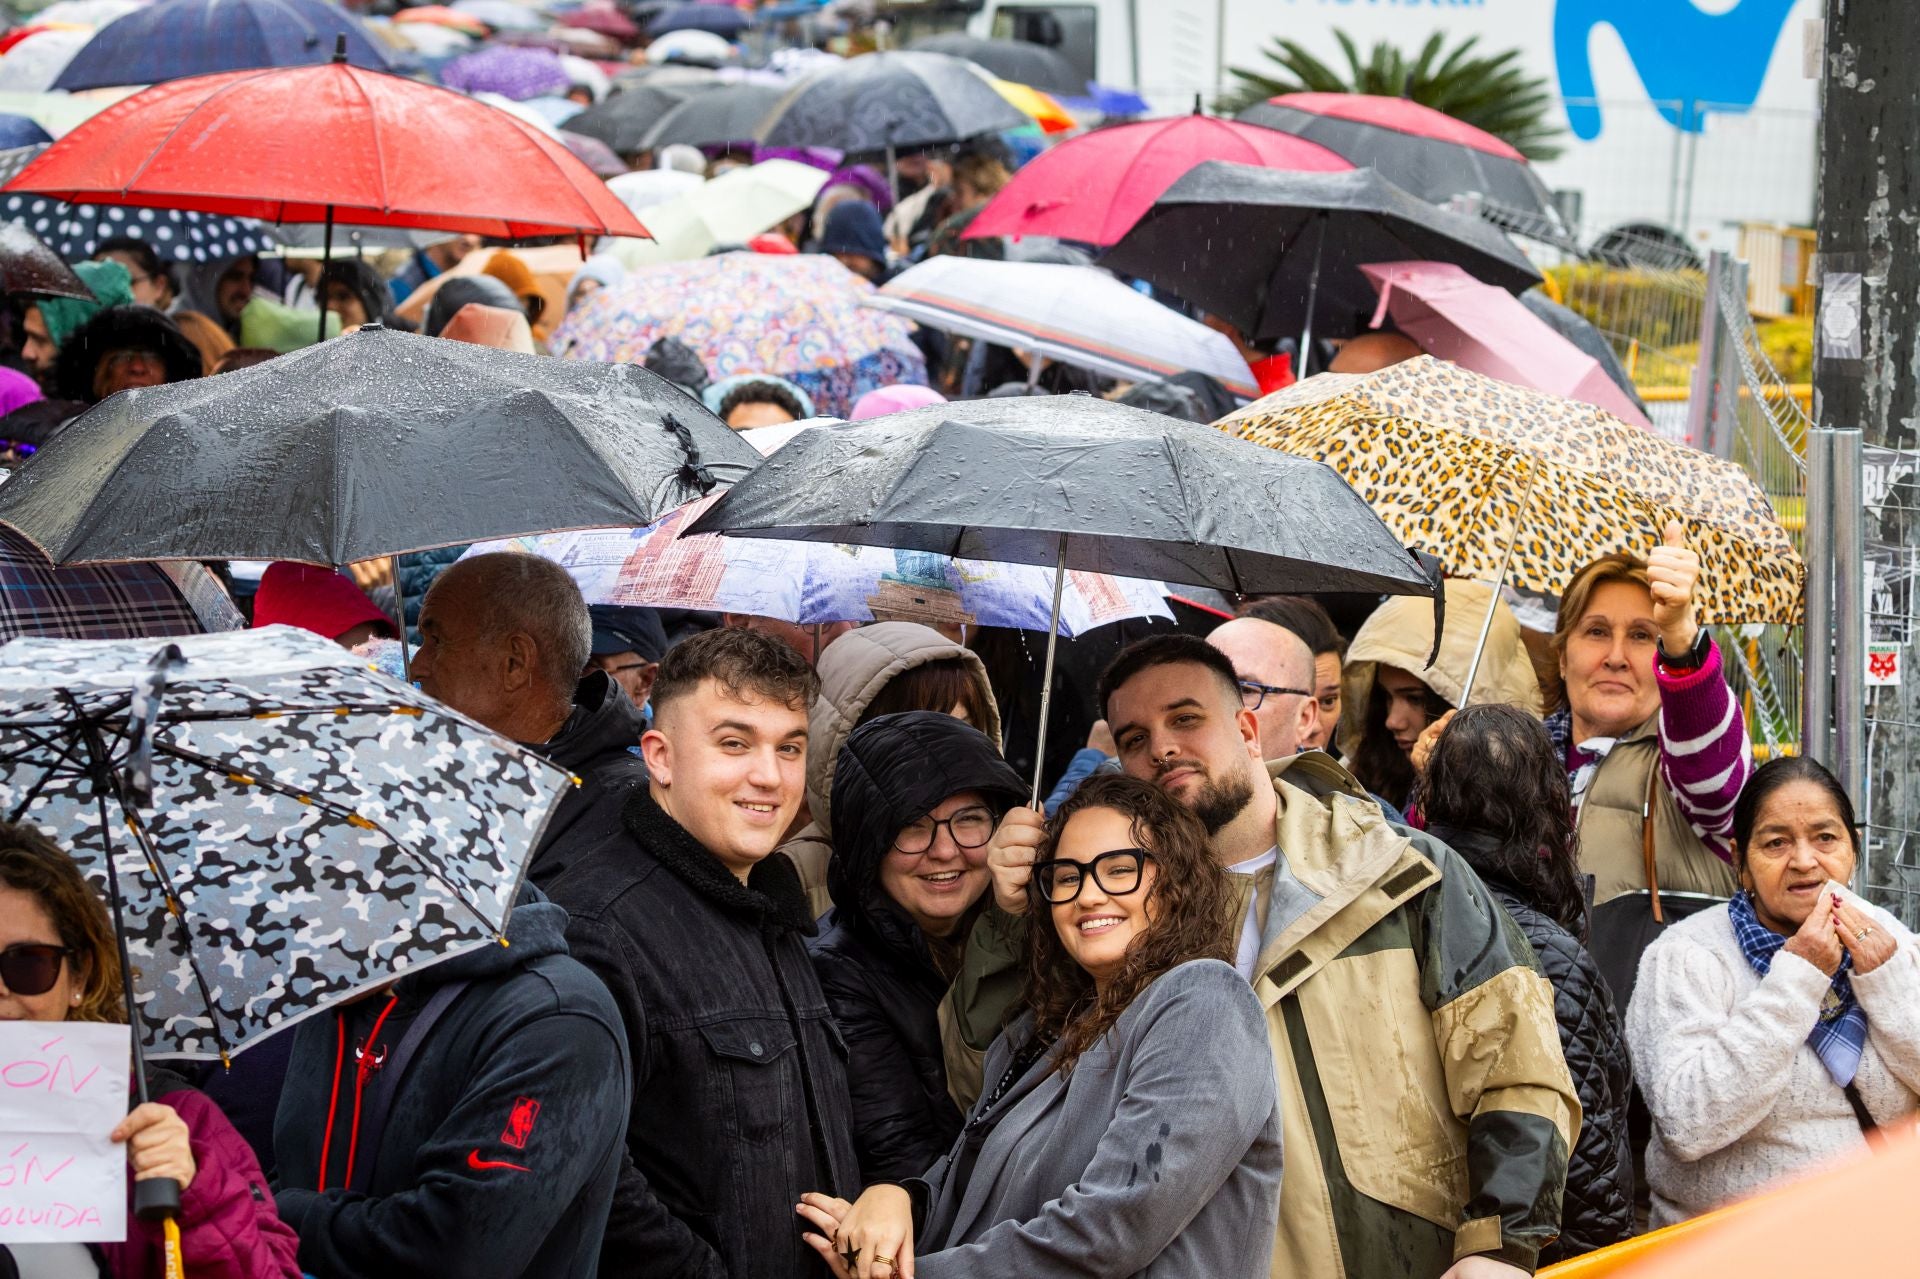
(1455, 317)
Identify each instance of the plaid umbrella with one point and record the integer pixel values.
(279, 827)
(1465, 467)
(106, 601)
(798, 317)
(74, 231)
(511, 71)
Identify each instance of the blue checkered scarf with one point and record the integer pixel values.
(1840, 1036)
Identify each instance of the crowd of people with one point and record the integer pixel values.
(800, 982)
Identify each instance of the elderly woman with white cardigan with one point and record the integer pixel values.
(1769, 1034)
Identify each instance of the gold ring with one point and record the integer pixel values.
(882, 1259)
(1864, 933)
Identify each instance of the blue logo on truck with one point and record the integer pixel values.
(1687, 58)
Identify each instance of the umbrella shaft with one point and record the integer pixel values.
(1486, 623)
(1046, 681)
(326, 258)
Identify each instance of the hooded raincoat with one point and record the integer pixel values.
(875, 965)
(853, 670)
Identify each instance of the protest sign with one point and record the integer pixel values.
(63, 1088)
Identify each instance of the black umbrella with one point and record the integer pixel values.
(353, 239)
(376, 443)
(719, 117)
(1078, 483)
(890, 102)
(1278, 252)
(719, 19)
(1018, 60)
(622, 121)
(27, 265)
(1425, 151)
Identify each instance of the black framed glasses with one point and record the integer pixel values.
(1253, 692)
(1117, 872)
(31, 968)
(971, 827)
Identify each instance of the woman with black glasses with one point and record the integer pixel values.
(915, 798)
(1130, 1126)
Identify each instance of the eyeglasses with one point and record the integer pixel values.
(970, 828)
(1253, 693)
(31, 968)
(1117, 873)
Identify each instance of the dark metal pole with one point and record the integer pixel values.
(326, 257)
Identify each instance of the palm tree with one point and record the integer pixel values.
(1489, 92)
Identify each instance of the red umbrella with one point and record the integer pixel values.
(1093, 188)
(307, 144)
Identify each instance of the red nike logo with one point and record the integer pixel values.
(475, 1161)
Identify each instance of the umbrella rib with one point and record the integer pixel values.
(332, 808)
(181, 123)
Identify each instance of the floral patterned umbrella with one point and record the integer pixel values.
(797, 316)
(1463, 466)
(508, 70)
(286, 829)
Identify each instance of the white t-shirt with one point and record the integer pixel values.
(1249, 948)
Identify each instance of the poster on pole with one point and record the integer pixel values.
(63, 1088)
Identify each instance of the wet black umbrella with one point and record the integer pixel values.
(1278, 252)
(376, 443)
(622, 121)
(890, 102)
(719, 117)
(1018, 60)
(27, 265)
(1078, 483)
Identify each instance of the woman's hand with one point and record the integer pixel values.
(1429, 738)
(157, 1143)
(869, 1239)
(1818, 942)
(1868, 943)
(1673, 573)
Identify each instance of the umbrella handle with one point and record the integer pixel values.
(156, 1199)
(1046, 682)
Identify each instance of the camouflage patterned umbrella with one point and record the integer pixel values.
(1463, 467)
(287, 828)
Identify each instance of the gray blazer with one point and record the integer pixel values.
(1159, 1156)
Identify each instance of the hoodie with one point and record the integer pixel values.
(499, 1153)
(875, 965)
(595, 745)
(853, 670)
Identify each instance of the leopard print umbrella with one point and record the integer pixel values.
(1449, 458)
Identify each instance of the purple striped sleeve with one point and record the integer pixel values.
(1705, 755)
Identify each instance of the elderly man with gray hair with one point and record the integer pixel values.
(504, 638)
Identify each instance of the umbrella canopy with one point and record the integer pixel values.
(32, 65)
(1579, 330)
(177, 38)
(27, 265)
(1462, 466)
(796, 316)
(21, 131)
(1078, 315)
(86, 13)
(723, 116)
(106, 601)
(398, 153)
(717, 19)
(1420, 149)
(890, 100)
(603, 19)
(624, 120)
(429, 40)
(809, 582)
(1076, 480)
(1018, 60)
(503, 15)
(439, 15)
(645, 188)
(593, 153)
(307, 240)
(74, 231)
(1093, 188)
(311, 830)
(691, 48)
(510, 71)
(373, 444)
(1271, 251)
(730, 209)
(1454, 317)
(1039, 107)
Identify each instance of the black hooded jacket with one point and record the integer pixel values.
(502, 1144)
(739, 1075)
(593, 744)
(121, 328)
(873, 960)
(1598, 1208)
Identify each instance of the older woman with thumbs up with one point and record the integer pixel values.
(1655, 744)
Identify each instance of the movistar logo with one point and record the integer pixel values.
(1688, 59)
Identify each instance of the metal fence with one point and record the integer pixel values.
(1890, 790)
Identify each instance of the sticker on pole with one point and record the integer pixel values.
(63, 1088)
(1883, 666)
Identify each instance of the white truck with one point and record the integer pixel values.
(1690, 114)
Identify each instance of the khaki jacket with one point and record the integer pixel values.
(1610, 830)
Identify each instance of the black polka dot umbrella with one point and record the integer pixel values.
(74, 231)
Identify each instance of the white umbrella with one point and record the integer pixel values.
(730, 209)
(37, 61)
(1078, 315)
(700, 48)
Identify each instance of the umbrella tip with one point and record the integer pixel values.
(1197, 108)
(340, 47)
